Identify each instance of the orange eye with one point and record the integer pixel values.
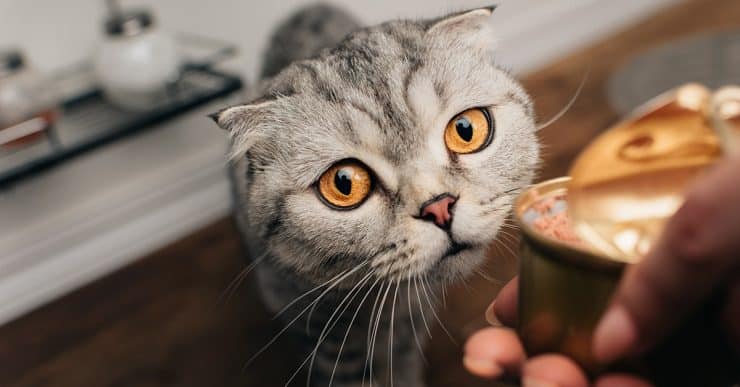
(469, 132)
(345, 185)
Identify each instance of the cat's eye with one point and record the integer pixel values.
(470, 131)
(345, 185)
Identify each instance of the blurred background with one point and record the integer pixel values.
(115, 243)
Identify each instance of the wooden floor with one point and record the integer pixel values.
(164, 322)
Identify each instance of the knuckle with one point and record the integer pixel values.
(656, 293)
(689, 231)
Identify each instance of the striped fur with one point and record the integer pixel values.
(382, 95)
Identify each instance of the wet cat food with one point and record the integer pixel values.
(549, 216)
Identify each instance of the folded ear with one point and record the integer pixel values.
(461, 21)
(244, 123)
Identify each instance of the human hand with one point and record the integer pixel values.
(695, 259)
(497, 353)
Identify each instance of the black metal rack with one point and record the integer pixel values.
(88, 121)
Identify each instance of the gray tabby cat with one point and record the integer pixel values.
(368, 174)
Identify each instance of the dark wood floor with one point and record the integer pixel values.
(161, 321)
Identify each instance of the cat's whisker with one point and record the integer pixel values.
(310, 355)
(327, 329)
(494, 210)
(313, 307)
(464, 281)
(375, 333)
(509, 250)
(512, 224)
(369, 332)
(506, 246)
(514, 190)
(434, 313)
(570, 103)
(487, 277)
(234, 284)
(372, 315)
(502, 238)
(390, 340)
(497, 246)
(413, 325)
(237, 281)
(435, 300)
(508, 193)
(507, 231)
(505, 237)
(329, 325)
(345, 275)
(304, 295)
(444, 295)
(511, 227)
(349, 328)
(421, 306)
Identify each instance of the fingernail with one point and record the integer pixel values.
(529, 382)
(491, 316)
(615, 335)
(482, 367)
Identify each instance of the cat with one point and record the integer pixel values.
(372, 166)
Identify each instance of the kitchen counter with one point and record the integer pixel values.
(162, 321)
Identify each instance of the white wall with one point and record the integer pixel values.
(58, 33)
(94, 214)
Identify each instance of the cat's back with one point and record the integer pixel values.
(304, 34)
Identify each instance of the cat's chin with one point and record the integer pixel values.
(457, 262)
(455, 249)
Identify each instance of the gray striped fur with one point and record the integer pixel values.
(382, 95)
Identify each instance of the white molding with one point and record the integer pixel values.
(88, 237)
(109, 251)
(112, 208)
(48, 256)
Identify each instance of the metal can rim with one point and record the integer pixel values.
(553, 248)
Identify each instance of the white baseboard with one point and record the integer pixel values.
(90, 217)
(110, 250)
(77, 223)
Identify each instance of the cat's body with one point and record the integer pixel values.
(377, 103)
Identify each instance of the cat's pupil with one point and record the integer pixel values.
(464, 129)
(343, 181)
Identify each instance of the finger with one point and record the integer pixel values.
(692, 257)
(504, 307)
(621, 380)
(491, 352)
(552, 371)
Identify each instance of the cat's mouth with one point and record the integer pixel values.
(455, 248)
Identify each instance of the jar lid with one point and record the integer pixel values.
(10, 61)
(129, 23)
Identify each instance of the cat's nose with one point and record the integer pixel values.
(438, 210)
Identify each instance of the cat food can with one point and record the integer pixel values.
(564, 288)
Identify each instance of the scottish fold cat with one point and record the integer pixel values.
(372, 166)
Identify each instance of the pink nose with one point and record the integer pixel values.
(437, 210)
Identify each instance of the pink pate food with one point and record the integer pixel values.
(549, 217)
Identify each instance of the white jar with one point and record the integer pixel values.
(137, 62)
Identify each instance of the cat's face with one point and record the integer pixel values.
(400, 151)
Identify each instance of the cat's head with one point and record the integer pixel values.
(399, 152)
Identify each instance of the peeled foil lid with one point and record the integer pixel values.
(628, 181)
